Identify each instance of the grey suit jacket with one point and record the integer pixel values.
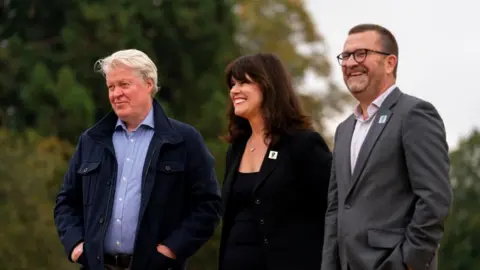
(390, 211)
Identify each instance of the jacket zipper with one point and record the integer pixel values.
(109, 212)
(143, 183)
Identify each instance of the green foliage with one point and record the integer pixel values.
(50, 76)
(461, 243)
(30, 166)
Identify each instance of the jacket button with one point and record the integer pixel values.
(265, 240)
(261, 221)
(98, 258)
(109, 182)
(257, 201)
(347, 206)
(101, 220)
(167, 168)
(85, 170)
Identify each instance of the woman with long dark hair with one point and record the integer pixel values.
(277, 172)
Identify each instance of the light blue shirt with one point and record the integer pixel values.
(130, 150)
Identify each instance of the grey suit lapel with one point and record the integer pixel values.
(346, 142)
(341, 152)
(384, 114)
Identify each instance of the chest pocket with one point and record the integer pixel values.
(169, 181)
(170, 173)
(171, 168)
(89, 174)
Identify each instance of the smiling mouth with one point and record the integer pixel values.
(356, 74)
(239, 100)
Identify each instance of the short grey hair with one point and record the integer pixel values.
(132, 58)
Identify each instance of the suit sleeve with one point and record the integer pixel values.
(68, 210)
(204, 216)
(330, 257)
(426, 154)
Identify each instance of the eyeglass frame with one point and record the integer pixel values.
(339, 58)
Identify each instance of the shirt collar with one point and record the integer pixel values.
(357, 111)
(148, 121)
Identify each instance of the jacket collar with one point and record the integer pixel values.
(164, 129)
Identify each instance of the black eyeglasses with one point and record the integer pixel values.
(359, 55)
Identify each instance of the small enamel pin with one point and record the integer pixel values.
(383, 119)
(273, 155)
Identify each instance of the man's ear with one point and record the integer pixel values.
(391, 63)
(149, 83)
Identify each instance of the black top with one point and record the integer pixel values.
(243, 248)
(288, 202)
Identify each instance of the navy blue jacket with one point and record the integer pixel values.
(180, 205)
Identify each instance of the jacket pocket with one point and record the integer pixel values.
(168, 182)
(384, 238)
(170, 173)
(89, 173)
(170, 167)
(161, 261)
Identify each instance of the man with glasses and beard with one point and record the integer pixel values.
(389, 191)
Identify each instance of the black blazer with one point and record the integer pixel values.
(289, 201)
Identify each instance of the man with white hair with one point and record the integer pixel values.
(141, 191)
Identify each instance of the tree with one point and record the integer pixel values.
(30, 167)
(49, 82)
(461, 243)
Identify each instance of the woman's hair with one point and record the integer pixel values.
(281, 109)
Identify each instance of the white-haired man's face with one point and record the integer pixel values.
(129, 95)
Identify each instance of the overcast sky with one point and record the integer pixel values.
(439, 50)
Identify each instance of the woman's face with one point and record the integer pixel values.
(247, 98)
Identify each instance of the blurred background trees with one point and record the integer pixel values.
(30, 169)
(460, 249)
(49, 94)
